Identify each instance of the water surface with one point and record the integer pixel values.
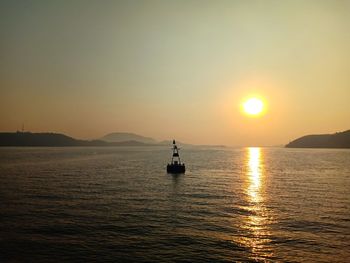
(117, 204)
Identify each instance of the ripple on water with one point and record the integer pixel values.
(118, 205)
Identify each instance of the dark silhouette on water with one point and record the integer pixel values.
(336, 140)
(175, 166)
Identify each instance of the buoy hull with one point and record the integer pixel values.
(176, 168)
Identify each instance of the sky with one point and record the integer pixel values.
(176, 69)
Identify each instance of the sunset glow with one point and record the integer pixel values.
(220, 73)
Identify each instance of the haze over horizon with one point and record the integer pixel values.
(182, 69)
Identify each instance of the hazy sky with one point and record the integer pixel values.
(176, 68)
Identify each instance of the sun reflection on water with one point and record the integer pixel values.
(255, 234)
(255, 174)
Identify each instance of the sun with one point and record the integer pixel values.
(253, 106)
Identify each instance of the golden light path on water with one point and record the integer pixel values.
(254, 174)
(256, 235)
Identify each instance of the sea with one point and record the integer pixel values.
(118, 204)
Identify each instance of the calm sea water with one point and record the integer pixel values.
(118, 205)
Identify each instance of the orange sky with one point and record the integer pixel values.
(176, 69)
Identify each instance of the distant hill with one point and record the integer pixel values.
(48, 139)
(41, 139)
(170, 142)
(336, 140)
(130, 143)
(55, 140)
(124, 137)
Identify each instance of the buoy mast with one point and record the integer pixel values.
(175, 154)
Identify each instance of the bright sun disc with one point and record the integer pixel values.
(253, 106)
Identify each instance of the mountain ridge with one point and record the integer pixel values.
(127, 136)
(51, 139)
(335, 140)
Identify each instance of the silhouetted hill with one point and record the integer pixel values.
(336, 140)
(170, 142)
(48, 139)
(130, 143)
(54, 139)
(124, 137)
(43, 139)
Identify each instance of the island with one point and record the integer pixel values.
(127, 136)
(48, 139)
(336, 140)
(52, 139)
